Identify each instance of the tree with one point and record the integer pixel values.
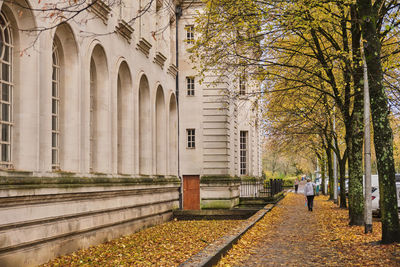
(305, 44)
(372, 18)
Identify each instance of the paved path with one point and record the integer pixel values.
(291, 241)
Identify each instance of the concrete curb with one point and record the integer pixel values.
(213, 252)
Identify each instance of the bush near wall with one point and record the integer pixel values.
(288, 181)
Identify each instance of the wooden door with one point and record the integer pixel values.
(191, 192)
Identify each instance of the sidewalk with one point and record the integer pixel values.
(290, 235)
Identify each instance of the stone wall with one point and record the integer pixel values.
(219, 192)
(42, 218)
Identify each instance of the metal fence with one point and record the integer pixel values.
(260, 188)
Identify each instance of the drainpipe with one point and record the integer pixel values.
(178, 14)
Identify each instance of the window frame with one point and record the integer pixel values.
(55, 109)
(191, 138)
(6, 100)
(242, 85)
(189, 34)
(190, 86)
(243, 152)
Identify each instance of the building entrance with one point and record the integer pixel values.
(191, 192)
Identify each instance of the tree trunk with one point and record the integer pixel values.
(322, 165)
(356, 197)
(356, 130)
(342, 174)
(383, 138)
(330, 171)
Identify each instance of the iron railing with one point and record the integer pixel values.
(260, 188)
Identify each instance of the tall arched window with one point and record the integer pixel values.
(100, 119)
(145, 130)
(125, 120)
(173, 136)
(55, 111)
(93, 87)
(6, 89)
(161, 155)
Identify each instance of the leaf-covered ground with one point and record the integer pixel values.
(290, 235)
(168, 244)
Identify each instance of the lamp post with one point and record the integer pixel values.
(335, 180)
(367, 155)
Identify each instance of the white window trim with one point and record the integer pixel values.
(55, 111)
(6, 159)
(243, 149)
(190, 86)
(191, 138)
(242, 86)
(189, 34)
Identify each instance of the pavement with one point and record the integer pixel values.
(212, 253)
(293, 240)
(287, 234)
(289, 245)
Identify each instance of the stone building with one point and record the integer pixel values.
(90, 146)
(220, 138)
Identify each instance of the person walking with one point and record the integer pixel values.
(309, 192)
(296, 185)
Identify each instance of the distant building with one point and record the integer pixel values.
(89, 127)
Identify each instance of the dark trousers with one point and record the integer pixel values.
(296, 187)
(310, 202)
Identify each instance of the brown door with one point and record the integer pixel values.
(191, 192)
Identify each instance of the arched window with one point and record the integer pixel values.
(161, 156)
(173, 136)
(145, 129)
(6, 89)
(100, 120)
(125, 120)
(93, 87)
(55, 111)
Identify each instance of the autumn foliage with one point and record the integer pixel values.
(168, 244)
(289, 235)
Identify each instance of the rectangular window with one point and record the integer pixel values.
(243, 152)
(191, 138)
(189, 34)
(242, 85)
(190, 85)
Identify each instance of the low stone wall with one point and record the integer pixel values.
(219, 192)
(44, 217)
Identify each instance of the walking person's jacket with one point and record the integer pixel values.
(309, 189)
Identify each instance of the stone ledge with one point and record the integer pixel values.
(101, 9)
(217, 179)
(144, 46)
(214, 214)
(125, 30)
(37, 181)
(80, 215)
(160, 59)
(173, 70)
(30, 199)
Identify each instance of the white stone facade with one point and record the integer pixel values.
(217, 116)
(89, 126)
(109, 88)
